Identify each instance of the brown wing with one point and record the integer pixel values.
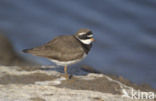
(63, 48)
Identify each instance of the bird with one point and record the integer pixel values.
(65, 50)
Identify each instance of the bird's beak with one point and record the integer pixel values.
(92, 39)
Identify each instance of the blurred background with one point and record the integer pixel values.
(125, 32)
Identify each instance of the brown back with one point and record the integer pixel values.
(63, 48)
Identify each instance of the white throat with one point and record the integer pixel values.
(86, 41)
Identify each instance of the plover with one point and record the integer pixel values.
(66, 49)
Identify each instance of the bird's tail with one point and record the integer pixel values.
(33, 51)
(26, 50)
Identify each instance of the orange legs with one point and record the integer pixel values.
(66, 72)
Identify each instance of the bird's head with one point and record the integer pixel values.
(85, 36)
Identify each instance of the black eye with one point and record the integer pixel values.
(84, 37)
(89, 33)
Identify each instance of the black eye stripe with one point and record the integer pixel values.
(89, 33)
(84, 37)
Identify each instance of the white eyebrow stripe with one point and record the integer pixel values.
(82, 33)
(90, 35)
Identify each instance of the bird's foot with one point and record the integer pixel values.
(67, 76)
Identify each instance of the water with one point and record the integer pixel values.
(125, 31)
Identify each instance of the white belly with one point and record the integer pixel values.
(63, 63)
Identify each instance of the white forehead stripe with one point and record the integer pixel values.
(82, 33)
(90, 35)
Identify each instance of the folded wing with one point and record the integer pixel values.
(63, 48)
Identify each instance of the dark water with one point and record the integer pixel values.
(125, 31)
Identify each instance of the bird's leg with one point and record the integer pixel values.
(66, 72)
